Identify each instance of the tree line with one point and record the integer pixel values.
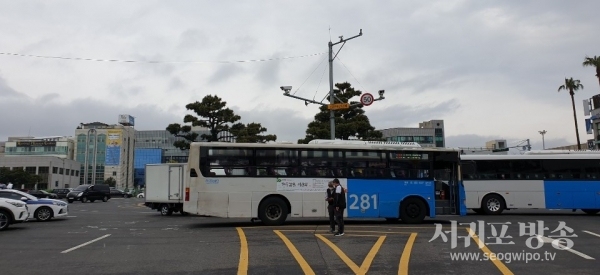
(572, 85)
(213, 114)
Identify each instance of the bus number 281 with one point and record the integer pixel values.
(365, 201)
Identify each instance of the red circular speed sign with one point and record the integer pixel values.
(366, 99)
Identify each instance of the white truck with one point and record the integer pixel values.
(165, 187)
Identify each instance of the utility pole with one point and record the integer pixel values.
(543, 132)
(332, 106)
(528, 145)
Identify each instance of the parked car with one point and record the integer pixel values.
(120, 193)
(86, 192)
(62, 192)
(11, 212)
(41, 194)
(41, 209)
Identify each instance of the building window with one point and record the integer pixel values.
(30, 170)
(67, 171)
(54, 170)
(114, 173)
(61, 171)
(43, 170)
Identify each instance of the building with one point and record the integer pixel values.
(55, 172)
(57, 146)
(591, 107)
(428, 134)
(156, 146)
(109, 153)
(145, 156)
(499, 145)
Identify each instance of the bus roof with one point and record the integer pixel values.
(369, 145)
(365, 142)
(525, 157)
(554, 152)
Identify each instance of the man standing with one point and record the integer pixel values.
(330, 207)
(339, 200)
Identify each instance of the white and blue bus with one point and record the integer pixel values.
(273, 181)
(535, 180)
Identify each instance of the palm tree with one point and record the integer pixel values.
(593, 62)
(572, 86)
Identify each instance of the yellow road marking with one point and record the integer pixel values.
(364, 267)
(499, 264)
(346, 231)
(243, 265)
(362, 235)
(303, 264)
(405, 258)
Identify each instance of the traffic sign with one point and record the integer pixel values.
(338, 106)
(366, 99)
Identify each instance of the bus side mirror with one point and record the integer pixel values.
(193, 173)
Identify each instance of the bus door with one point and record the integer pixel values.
(445, 171)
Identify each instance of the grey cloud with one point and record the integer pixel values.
(401, 115)
(62, 119)
(121, 89)
(176, 83)
(8, 92)
(193, 39)
(281, 122)
(224, 73)
(47, 98)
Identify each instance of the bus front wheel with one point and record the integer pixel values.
(413, 210)
(273, 211)
(493, 204)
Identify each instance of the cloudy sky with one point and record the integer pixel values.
(490, 69)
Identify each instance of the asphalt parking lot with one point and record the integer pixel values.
(124, 237)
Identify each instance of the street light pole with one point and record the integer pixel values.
(543, 132)
(332, 97)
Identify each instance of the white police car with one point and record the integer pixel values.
(41, 209)
(12, 211)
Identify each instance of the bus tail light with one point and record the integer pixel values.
(187, 194)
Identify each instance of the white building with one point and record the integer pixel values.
(428, 134)
(56, 172)
(56, 146)
(498, 144)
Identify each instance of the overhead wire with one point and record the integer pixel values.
(309, 76)
(319, 85)
(351, 74)
(156, 61)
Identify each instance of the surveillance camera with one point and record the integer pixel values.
(381, 92)
(286, 89)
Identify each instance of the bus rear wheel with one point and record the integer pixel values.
(273, 211)
(413, 210)
(590, 211)
(493, 204)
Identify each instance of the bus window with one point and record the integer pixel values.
(410, 165)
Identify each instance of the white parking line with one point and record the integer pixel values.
(563, 247)
(591, 233)
(84, 244)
